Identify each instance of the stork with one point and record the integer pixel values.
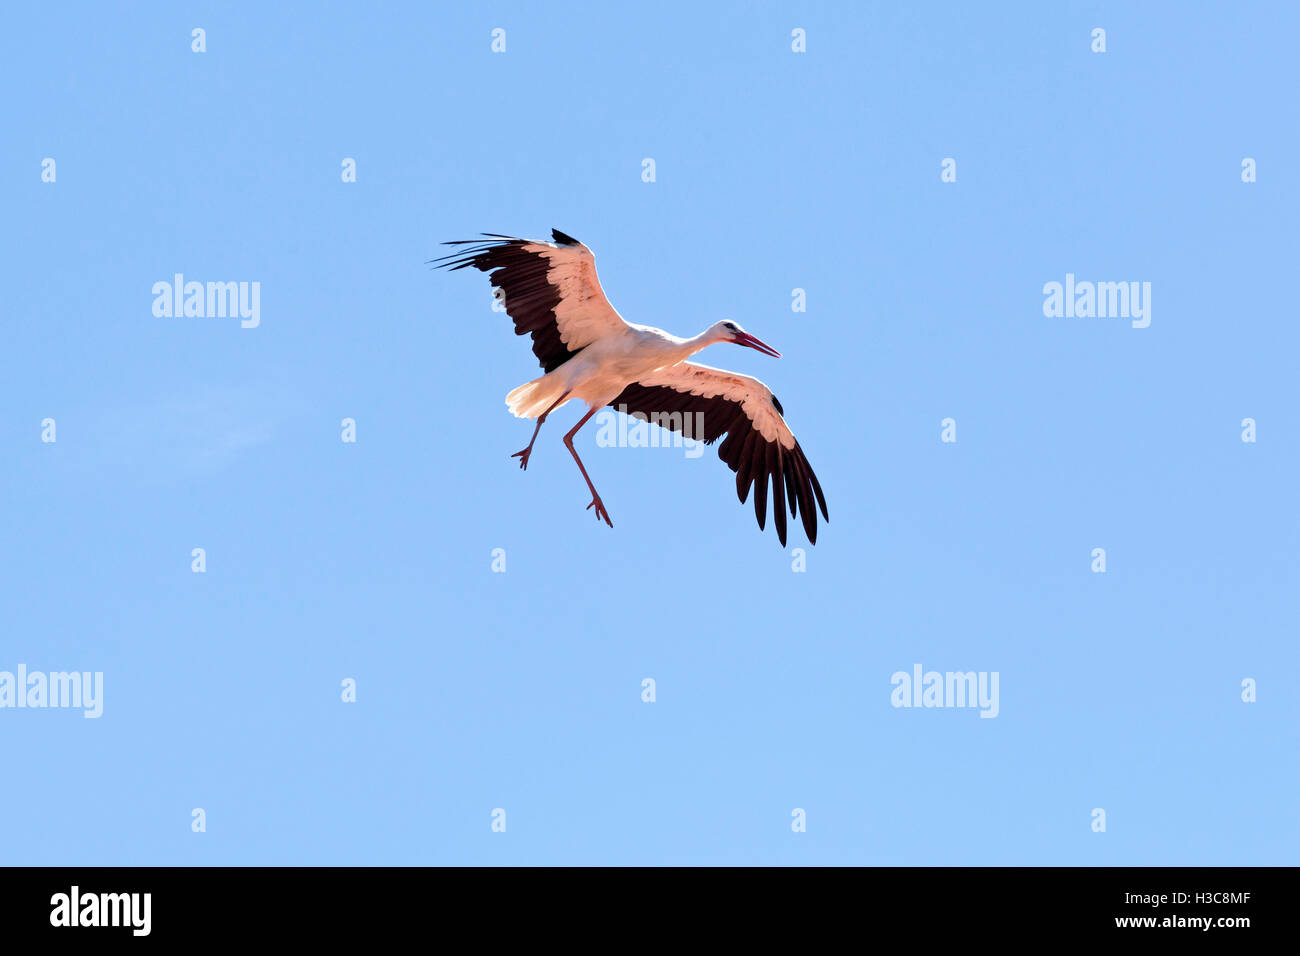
(589, 353)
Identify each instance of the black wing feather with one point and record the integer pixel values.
(754, 459)
(522, 275)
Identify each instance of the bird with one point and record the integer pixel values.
(589, 353)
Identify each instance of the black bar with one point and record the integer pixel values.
(371, 905)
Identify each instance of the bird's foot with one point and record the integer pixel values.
(601, 513)
(523, 457)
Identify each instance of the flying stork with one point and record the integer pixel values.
(588, 352)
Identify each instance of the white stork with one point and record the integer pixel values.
(590, 353)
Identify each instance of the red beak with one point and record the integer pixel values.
(744, 338)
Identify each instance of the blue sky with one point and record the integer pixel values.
(775, 170)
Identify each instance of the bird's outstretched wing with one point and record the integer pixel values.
(759, 445)
(550, 289)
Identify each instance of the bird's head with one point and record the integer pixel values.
(728, 331)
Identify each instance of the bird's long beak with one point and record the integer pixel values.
(744, 338)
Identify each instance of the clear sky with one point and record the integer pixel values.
(775, 170)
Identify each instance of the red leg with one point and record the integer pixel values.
(596, 503)
(524, 455)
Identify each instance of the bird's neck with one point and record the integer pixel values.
(697, 343)
(671, 349)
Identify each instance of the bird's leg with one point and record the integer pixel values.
(596, 503)
(524, 455)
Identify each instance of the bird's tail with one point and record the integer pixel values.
(529, 401)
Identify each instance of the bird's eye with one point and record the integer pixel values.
(731, 326)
